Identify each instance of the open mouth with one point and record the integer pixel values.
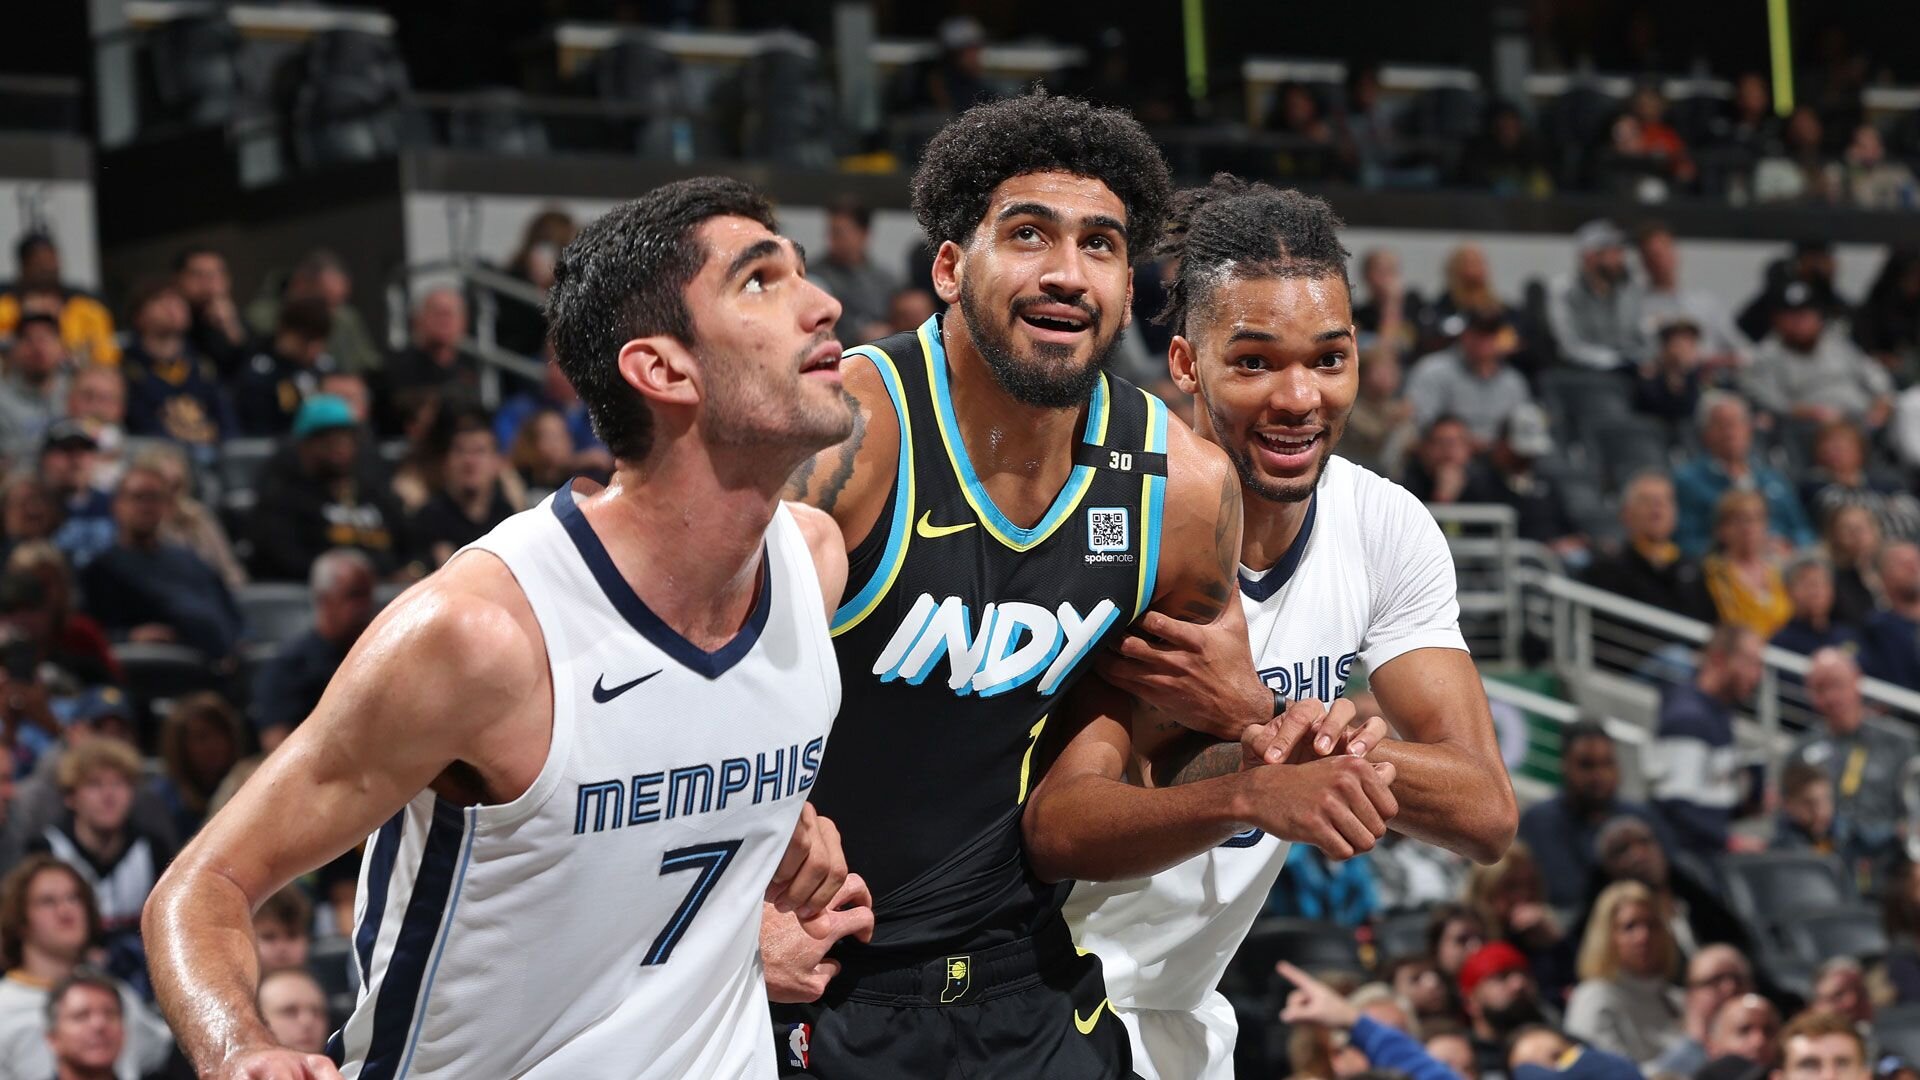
(1287, 451)
(1057, 322)
(825, 358)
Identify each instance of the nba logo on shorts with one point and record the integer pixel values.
(799, 1043)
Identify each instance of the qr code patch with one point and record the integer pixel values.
(1107, 528)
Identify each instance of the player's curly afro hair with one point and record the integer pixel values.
(994, 142)
(1231, 228)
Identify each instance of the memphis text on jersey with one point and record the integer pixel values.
(696, 789)
(1012, 643)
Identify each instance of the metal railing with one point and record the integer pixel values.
(485, 287)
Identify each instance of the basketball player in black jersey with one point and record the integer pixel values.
(1009, 507)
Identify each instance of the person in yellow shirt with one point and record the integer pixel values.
(1741, 574)
(85, 325)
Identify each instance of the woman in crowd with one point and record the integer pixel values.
(190, 522)
(76, 642)
(200, 742)
(1512, 901)
(1380, 428)
(519, 326)
(1469, 292)
(1839, 478)
(1626, 1002)
(1454, 932)
(543, 453)
(1740, 574)
(1853, 548)
(472, 492)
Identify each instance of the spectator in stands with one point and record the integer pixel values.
(1540, 1052)
(1392, 313)
(1812, 628)
(1626, 1002)
(433, 359)
(66, 472)
(1597, 313)
(468, 499)
(315, 495)
(1801, 372)
(1512, 900)
(1746, 1028)
(957, 78)
(1505, 157)
(38, 802)
(1694, 770)
(1810, 263)
(1307, 151)
(1667, 386)
(520, 326)
(86, 1026)
(848, 272)
(1742, 574)
(1419, 981)
(590, 454)
(189, 522)
(1887, 326)
(1806, 820)
(1865, 762)
(1801, 169)
(200, 741)
(1468, 291)
(1840, 988)
(147, 589)
(97, 401)
(1726, 436)
(286, 690)
(69, 640)
(1853, 543)
(1543, 516)
(350, 387)
(1868, 179)
(1381, 1043)
(118, 856)
(48, 920)
(1649, 567)
(1749, 122)
(287, 372)
(1667, 301)
(1380, 427)
(1454, 932)
(1716, 975)
(543, 454)
(27, 512)
(1409, 875)
(295, 1009)
(1312, 886)
(1657, 138)
(215, 330)
(85, 325)
(1839, 477)
(1443, 470)
(911, 306)
(1500, 1000)
(1561, 831)
(1451, 1046)
(1470, 379)
(172, 392)
(283, 930)
(320, 275)
(33, 392)
(1892, 635)
(1822, 1045)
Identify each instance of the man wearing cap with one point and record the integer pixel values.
(1801, 372)
(1667, 387)
(1543, 515)
(315, 494)
(66, 470)
(1810, 263)
(1470, 379)
(1667, 302)
(1496, 986)
(144, 589)
(33, 391)
(288, 371)
(1597, 313)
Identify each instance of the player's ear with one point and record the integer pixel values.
(1180, 361)
(946, 272)
(661, 369)
(1126, 310)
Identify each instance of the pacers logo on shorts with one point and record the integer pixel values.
(799, 1045)
(959, 973)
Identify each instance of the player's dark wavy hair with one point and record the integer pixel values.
(624, 277)
(994, 142)
(1230, 228)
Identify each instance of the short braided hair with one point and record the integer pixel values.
(1231, 228)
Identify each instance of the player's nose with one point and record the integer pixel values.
(1295, 393)
(819, 310)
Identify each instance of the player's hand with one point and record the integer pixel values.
(1314, 1002)
(277, 1063)
(813, 869)
(1200, 674)
(1339, 804)
(1309, 729)
(794, 953)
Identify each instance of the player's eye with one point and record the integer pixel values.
(1333, 360)
(1026, 232)
(1100, 243)
(756, 282)
(1250, 362)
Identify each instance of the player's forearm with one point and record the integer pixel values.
(1451, 799)
(1091, 828)
(200, 952)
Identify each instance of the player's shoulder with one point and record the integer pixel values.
(1199, 475)
(1378, 508)
(469, 620)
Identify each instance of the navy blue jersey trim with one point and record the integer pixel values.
(638, 615)
(1282, 571)
(394, 1010)
(386, 846)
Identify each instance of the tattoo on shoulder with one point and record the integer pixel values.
(1211, 594)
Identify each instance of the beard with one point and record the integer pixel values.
(1048, 381)
(1251, 480)
(745, 409)
(1517, 1014)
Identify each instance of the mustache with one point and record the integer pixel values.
(1021, 305)
(800, 355)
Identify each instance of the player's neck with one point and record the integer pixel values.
(1022, 453)
(1270, 529)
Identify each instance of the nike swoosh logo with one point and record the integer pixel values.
(927, 529)
(604, 694)
(1085, 1027)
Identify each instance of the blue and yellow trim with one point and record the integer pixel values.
(1071, 492)
(900, 528)
(1153, 495)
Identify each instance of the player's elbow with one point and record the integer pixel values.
(1498, 823)
(1049, 847)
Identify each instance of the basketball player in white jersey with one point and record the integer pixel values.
(1339, 566)
(584, 746)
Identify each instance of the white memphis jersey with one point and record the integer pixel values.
(606, 923)
(1368, 579)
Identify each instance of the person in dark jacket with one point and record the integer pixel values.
(1812, 628)
(288, 688)
(144, 589)
(319, 493)
(288, 371)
